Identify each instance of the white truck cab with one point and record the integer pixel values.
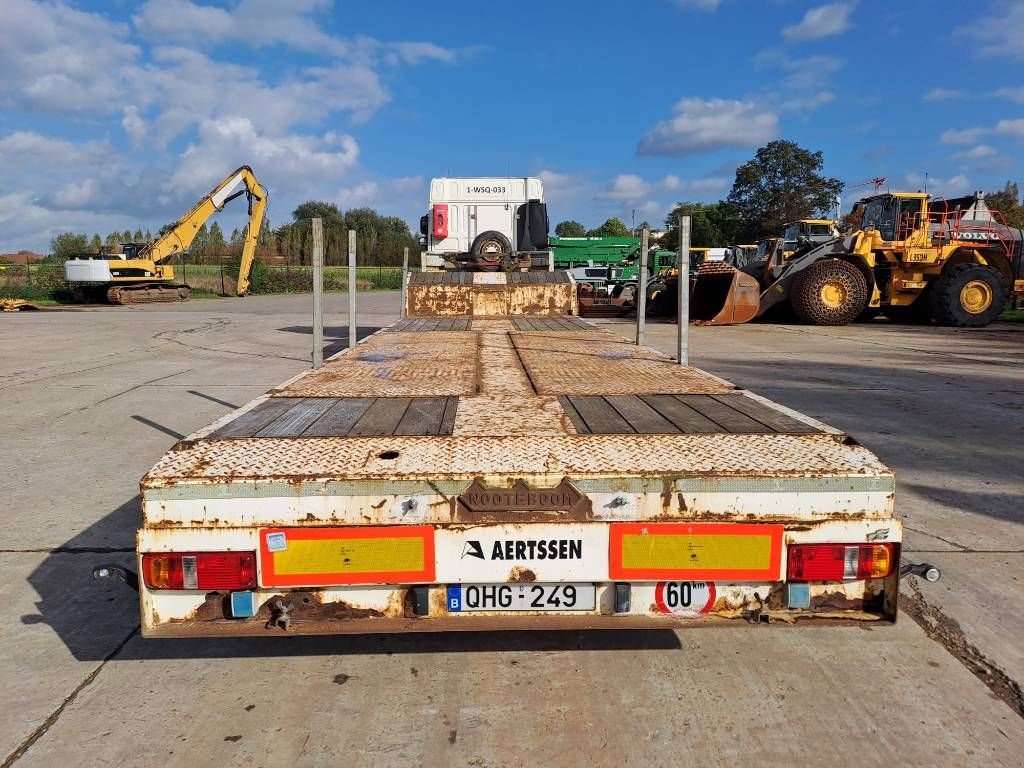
(485, 224)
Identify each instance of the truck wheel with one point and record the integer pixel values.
(491, 249)
(829, 292)
(968, 296)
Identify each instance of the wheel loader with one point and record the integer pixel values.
(951, 261)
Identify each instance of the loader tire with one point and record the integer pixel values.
(829, 292)
(968, 296)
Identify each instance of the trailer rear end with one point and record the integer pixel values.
(494, 462)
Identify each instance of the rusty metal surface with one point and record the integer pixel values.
(715, 455)
(723, 295)
(489, 294)
(586, 363)
(400, 364)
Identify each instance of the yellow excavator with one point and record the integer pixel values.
(141, 273)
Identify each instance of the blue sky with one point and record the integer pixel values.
(122, 114)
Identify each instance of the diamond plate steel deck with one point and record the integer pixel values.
(550, 456)
(588, 363)
(399, 364)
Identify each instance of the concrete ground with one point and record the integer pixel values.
(90, 399)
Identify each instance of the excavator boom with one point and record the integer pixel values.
(146, 276)
(184, 231)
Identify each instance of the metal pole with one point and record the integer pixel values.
(683, 298)
(318, 293)
(641, 298)
(405, 277)
(351, 288)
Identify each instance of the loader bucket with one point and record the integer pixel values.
(722, 295)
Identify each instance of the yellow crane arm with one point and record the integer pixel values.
(180, 236)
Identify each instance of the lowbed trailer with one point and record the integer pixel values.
(472, 467)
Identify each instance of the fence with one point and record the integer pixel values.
(42, 282)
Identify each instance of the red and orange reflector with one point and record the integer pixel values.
(199, 570)
(839, 562)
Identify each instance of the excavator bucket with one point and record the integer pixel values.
(722, 295)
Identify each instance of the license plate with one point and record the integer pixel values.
(521, 597)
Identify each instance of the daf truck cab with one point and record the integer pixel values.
(486, 224)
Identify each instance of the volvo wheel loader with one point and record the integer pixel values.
(137, 273)
(952, 261)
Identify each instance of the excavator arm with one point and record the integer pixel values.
(180, 236)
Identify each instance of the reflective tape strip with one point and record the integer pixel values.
(316, 557)
(695, 551)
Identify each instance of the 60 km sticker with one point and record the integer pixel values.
(684, 598)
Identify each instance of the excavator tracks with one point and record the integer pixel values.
(148, 294)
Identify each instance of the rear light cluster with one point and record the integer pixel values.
(839, 562)
(199, 570)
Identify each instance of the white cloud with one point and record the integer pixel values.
(964, 136)
(942, 94)
(1011, 94)
(289, 159)
(1013, 129)
(134, 126)
(998, 33)
(59, 60)
(823, 21)
(632, 189)
(979, 152)
(32, 151)
(371, 193)
(700, 5)
(951, 187)
(705, 125)
(263, 23)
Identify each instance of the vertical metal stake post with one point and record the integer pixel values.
(351, 288)
(641, 297)
(405, 277)
(683, 298)
(318, 293)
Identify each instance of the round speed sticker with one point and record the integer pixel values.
(684, 598)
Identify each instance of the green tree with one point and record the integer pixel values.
(126, 236)
(149, 236)
(1007, 202)
(782, 183)
(712, 225)
(613, 227)
(137, 237)
(95, 244)
(215, 241)
(570, 228)
(113, 238)
(236, 236)
(67, 244)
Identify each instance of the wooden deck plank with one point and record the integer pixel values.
(574, 415)
(600, 417)
(641, 417)
(683, 416)
(776, 420)
(298, 418)
(423, 416)
(341, 417)
(382, 417)
(730, 419)
(253, 420)
(448, 420)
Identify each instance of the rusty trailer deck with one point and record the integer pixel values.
(472, 458)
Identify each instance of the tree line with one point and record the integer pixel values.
(780, 184)
(380, 240)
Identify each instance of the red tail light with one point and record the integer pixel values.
(440, 218)
(199, 570)
(839, 562)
